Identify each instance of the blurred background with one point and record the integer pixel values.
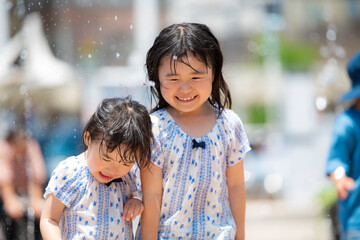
(284, 61)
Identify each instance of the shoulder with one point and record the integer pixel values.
(229, 117)
(32, 143)
(68, 179)
(6, 149)
(72, 161)
(158, 116)
(4, 144)
(70, 167)
(161, 121)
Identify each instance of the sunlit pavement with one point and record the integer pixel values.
(285, 220)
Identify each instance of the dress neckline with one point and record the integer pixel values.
(188, 135)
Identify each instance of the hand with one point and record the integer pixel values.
(15, 208)
(132, 208)
(343, 185)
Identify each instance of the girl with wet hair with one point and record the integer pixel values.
(95, 195)
(194, 187)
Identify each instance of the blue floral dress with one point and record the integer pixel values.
(93, 210)
(195, 202)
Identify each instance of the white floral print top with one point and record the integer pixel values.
(93, 209)
(195, 202)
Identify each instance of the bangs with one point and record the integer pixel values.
(126, 154)
(183, 57)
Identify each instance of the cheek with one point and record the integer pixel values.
(93, 165)
(164, 92)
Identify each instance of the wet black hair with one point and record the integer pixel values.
(177, 41)
(123, 125)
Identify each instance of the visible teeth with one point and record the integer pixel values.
(185, 99)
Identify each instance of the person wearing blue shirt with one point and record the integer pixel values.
(343, 163)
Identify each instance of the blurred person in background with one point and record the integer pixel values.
(22, 175)
(343, 164)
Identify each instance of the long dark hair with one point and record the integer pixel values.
(177, 41)
(122, 121)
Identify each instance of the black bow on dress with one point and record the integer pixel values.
(198, 144)
(114, 180)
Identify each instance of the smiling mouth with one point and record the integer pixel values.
(186, 99)
(105, 177)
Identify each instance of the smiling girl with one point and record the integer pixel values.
(194, 187)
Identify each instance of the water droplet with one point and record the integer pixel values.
(89, 56)
(100, 28)
(117, 55)
(24, 54)
(116, 18)
(331, 35)
(88, 21)
(23, 90)
(131, 27)
(175, 58)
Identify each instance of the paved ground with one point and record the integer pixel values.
(283, 220)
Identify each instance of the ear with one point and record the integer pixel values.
(87, 138)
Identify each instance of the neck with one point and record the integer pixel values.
(195, 124)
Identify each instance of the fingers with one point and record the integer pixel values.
(349, 184)
(132, 208)
(343, 194)
(345, 185)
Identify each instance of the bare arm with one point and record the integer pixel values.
(151, 182)
(13, 206)
(237, 197)
(50, 218)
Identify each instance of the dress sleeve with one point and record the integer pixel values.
(341, 145)
(65, 182)
(134, 175)
(239, 143)
(157, 156)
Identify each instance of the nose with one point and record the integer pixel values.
(185, 87)
(113, 171)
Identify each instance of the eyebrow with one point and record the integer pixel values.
(194, 72)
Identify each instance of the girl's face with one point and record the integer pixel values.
(104, 166)
(187, 89)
